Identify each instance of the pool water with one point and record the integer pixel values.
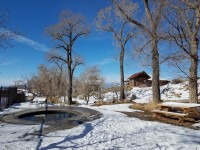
(46, 116)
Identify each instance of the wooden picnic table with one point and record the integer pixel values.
(180, 110)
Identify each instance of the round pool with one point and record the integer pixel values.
(46, 116)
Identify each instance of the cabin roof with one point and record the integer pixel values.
(138, 74)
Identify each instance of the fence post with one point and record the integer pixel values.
(8, 97)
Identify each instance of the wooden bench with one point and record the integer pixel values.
(167, 113)
(179, 110)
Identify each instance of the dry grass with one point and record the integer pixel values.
(128, 88)
(100, 103)
(151, 106)
(145, 107)
(54, 99)
(137, 106)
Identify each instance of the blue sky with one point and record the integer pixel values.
(33, 16)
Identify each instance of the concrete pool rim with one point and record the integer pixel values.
(81, 114)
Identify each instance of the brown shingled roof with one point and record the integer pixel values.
(137, 74)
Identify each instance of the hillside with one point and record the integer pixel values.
(170, 92)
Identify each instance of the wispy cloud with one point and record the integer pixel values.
(27, 41)
(31, 43)
(9, 62)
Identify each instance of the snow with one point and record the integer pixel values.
(173, 104)
(196, 125)
(175, 92)
(118, 107)
(12, 136)
(116, 131)
(113, 130)
(39, 99)
(34, 105)
(28, 94)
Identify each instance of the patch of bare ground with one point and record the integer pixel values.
(147, 115)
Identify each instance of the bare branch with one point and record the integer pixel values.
(131, 19)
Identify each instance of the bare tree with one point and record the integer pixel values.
(183, 18)
(153, 10)
(24, 84)
(49, 82)
(110, 20)
(115, 89)
(91, 83)
(65, 33)
(59, 73)
(7, 33)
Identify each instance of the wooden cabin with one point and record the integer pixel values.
(164, 82)
(138, 79)
(142, 79)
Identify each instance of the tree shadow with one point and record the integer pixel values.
(88, 129)
(40, 135)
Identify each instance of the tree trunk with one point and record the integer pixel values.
(100, 97)
(156, 72)
(193, 86)
(88, 98)
(117, 95)
(70, 89)
(70, 79)
(122, 95)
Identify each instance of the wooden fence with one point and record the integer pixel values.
(9, 96)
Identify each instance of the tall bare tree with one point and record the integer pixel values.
(65, 33)
(184, 30)
(110, 20)
(153, 12)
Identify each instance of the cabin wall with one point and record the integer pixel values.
(138, 82)
(143, 83)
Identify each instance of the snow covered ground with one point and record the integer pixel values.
(172, 92)
(168, 92)
(113, 130)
